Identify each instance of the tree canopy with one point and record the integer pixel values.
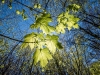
(49, 37)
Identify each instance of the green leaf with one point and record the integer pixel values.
(42, 23)
(59, 46)
(73, 7)
(18, 12)
(29, 38)
(43, 56)
(3, 1)
(70, 25)
(75, 26)
(23, 11)
(52, 43)
(60, 28)
(24, 17)
(37, 6)
(66, 21)
(47, 29)
(34, 39)
(41, 44)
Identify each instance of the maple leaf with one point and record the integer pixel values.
(29, 38)
(42, 23)
(33, 39)
(43, 56)
(52, 43)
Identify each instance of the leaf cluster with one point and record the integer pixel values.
(45, 43)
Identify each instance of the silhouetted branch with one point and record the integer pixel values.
(14, 39)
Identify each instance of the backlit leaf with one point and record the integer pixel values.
(3, 1)
(37, 6)
(33, 40)
(46, 28)
(66, 21)
(74, 7)
(18, 12)
(29, 38)
(52, 43)
(41, 44)
(42, 23)
(60, 28)
(24, 17)
(43, 56)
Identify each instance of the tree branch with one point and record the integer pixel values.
(90, 33)
(14, 39)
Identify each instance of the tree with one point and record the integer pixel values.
(42, 42)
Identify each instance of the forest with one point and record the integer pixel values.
(49, 37)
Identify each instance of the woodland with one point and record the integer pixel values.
(49, 37)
